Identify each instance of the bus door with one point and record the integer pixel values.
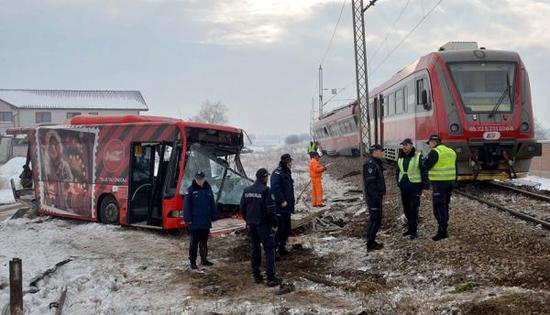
(148, 173)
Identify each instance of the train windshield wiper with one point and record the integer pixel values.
(507, 91)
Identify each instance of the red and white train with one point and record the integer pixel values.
(477, 100)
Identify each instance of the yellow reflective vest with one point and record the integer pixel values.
(445, 167)
(413, 169)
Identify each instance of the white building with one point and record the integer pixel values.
(30, 108)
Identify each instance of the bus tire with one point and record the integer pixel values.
(109, 211)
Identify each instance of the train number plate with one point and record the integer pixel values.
(491, 135)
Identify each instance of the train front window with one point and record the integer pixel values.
(485, 87)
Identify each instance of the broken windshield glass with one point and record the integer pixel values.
(226, 183)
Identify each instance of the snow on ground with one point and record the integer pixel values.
(10, 170)
(538, 182)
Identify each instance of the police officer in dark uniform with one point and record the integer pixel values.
(258, 209)
(376, 188)
(441, 166)
(282, 186)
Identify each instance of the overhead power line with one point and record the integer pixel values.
(390, 32)
(334, 31)
(406, 36)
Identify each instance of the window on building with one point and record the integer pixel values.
(93, 113)
(73, 114)
(6, 116)
(43, 117)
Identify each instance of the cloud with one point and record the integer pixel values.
(257, 21)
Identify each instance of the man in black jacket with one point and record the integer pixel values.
(411, 179)
(258, 209)
(376, 189)
(282, 186)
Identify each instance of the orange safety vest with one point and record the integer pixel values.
(315, 169)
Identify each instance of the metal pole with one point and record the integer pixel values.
(16, 287)
(320, 91)
(361, 75)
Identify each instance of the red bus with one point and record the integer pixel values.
(132, 170)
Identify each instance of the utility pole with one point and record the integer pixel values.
(312, 118)
(320, 91)
(361, 75)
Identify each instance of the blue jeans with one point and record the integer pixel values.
(262, 234)
(442, 191)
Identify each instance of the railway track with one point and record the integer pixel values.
(511, 207)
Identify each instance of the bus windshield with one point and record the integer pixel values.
(226, 183)
(485, 87)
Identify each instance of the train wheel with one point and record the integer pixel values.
(109, 210)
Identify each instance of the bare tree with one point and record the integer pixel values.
(541, 133)
(212, 113)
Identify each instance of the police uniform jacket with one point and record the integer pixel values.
(374, 179)
(258, 206)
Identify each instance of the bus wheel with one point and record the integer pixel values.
(109, 210)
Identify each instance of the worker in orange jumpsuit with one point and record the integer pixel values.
(316, 170)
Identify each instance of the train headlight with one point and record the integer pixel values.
(455, 128)
(524, 127)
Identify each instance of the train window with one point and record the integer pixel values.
(386, 106)
(391, 104)
(419, 89)
(405, 99)
(399, 101)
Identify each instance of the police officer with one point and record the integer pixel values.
(282, 186)
(410, 180)
(376, 188)
(258, 209)
(441, 166)
(199, 211)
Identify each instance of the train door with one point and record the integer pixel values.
(378, 115)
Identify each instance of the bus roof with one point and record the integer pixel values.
(137, 119)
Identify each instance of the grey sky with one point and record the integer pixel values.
(259, 57)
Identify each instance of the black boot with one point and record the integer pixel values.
(206, 262)
(439, 236)
(273, 281)
(258, 278)
(194, 265)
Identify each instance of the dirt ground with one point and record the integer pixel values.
(492, 263)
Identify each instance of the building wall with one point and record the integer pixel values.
(541, 164)
(26, 118)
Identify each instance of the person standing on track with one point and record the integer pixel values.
(199, 211)
(411, 181)
(441, 166)
(375, 187)
(258, 209)
(282, 186)
(316, 170)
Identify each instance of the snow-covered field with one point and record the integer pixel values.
(116, 270)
